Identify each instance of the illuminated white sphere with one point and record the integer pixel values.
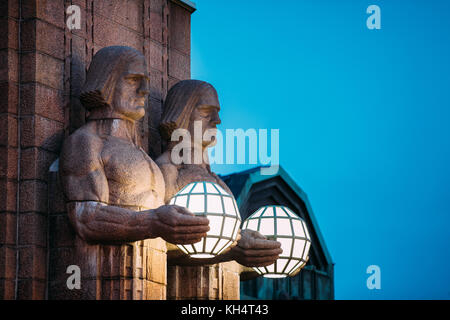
(283, 225)
(210, 200)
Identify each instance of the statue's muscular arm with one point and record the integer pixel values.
(86, 188)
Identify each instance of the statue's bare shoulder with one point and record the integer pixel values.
(81, 151)
(82, 168)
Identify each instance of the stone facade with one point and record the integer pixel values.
(42, 68)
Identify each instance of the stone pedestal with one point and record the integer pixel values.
(215, 282)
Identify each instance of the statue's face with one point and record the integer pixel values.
(206, 112)
(131, 91)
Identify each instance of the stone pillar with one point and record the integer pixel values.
(42, 68)
(215, 282)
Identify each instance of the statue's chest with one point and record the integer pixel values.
(127, 164)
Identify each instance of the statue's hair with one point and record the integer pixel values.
(107, 66)
(181, 100)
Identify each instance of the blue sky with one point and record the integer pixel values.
(364, 124)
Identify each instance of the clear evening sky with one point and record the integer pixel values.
(364, 124)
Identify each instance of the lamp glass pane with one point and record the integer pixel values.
(299, 246)
(172, 201)
(229, 206)
(284, 227)
(305, 254)
(280, 212)
(189, 248)
(221, 189)
(210, 188)
(252, 224)
(286, 245)
(182, 248)
(181, 201)
(268, 212)
(187, 189)
(228, 227)
(199, 245)
(290, 212)
(225, 247)
(236, 229)
(271, 268)
(214, 204)
(266, 227)
(300, 265)
(274, 276)
(197, 203)
(215, 225)
(257, 213)
(281, 263)
(306, 230)
(220, 245)
(198, 188)
(210, 243)
(291, 265)
(298, 229)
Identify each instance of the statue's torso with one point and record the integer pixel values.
(134, 180)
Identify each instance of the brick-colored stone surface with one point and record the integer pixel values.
(28, 289)
(29, 263)
(7, 258)
(50, 74)
(42, 100)
(39, 67)
(7, 289)
(8, 36)
(8, 162)
(8, 195)
(9, 65)
(35, 163)
(230, 280)
(9, 95)
(8, 133)
(9, 8)
(43, 37)
(50, 11)
(179, 65)
(42, 132)
(31, 194)
(108, 33)
(7, 229)
(31, 226)
(61, 231)
(180, 26)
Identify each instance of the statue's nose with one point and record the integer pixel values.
(215, 119)
(144, 89)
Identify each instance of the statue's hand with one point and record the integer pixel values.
(254, 250)
(177, 225)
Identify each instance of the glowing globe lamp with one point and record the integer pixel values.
(281, 224)
(211, 200)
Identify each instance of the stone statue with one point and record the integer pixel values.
(114, 191)
(189, 102)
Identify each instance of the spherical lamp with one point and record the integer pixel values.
(211, 200)
(281, 224)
